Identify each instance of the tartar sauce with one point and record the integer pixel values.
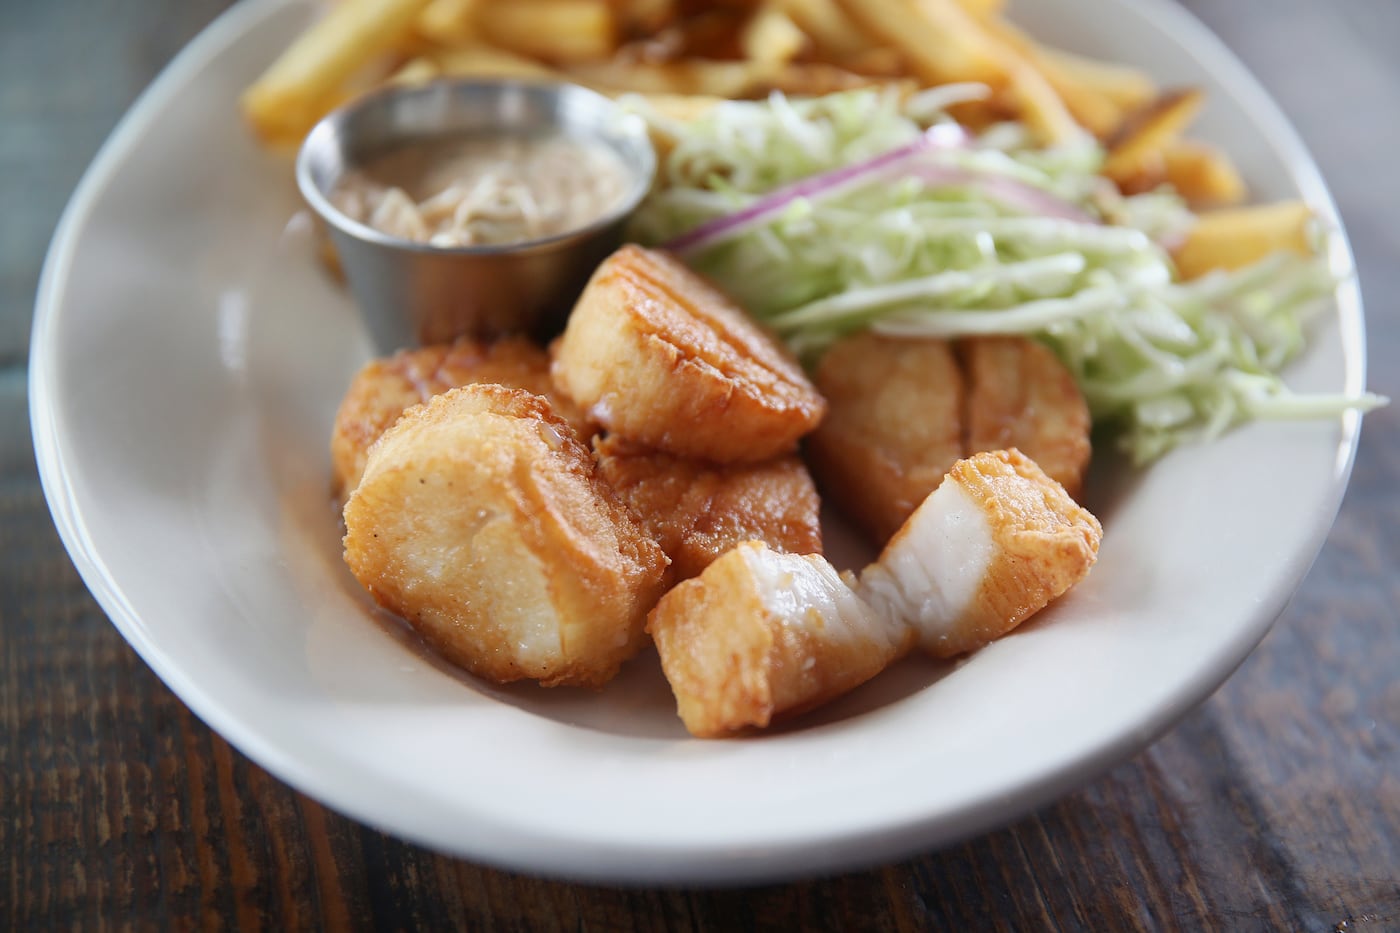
(484, 191)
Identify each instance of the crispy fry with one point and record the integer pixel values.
(1087, 104)
(877, 61)
(307, 80)
(1127, 87)
(554, 30)
(1203, 175)
(808, 80)
(705, 78)
(1090, 109)
(835, 35)
(771, 37)
(941, 40)
(1232, 239)
(1140, 142)
(414, 72)
(1040, 107)
(476, 61)
(640, 18)
(710, 78)
(984, 9)
(449, 22)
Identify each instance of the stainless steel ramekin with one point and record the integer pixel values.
(411, 293)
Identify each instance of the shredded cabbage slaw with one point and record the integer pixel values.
(871, 209)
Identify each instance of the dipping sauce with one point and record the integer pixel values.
(480, 191)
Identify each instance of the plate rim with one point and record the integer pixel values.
(715, 864)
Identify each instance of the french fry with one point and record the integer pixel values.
(706, 78)
(642, 18)
(1234, 238)
(835, 34)
(771, 37)
(488, 61)
(983, 9)
(808, 80)
(691, 77)
(713, 33)
(470, 61)
(1202, 175)
(1128, 88)
(941, 41)
(1040, 107)
(877, 61)
(1087, 104)
(687, 54)
(449, 22)
(554, 30)
(1090, 109)
(414, 72)
(1138, 146)
(306, 81)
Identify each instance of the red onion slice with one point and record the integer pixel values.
(1007, 191)
(816, 188)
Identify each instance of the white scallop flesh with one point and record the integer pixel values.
(930, 573)
(807, 593)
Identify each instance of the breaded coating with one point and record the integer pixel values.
(893, 430)
(761, 634)
(1020, 395)
(481, 520)
(697, 510)
(658, 355)
(903, 410)
(994, 544)
(384, 388)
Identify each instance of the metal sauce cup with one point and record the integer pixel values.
(411, 292)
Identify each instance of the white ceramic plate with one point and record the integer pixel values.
(187, 360)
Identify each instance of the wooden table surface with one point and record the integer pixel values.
(1275, 805)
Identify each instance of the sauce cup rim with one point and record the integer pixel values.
(326, 133)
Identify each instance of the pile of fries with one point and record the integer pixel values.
(685, 54)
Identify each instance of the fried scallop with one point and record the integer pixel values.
(761, 635)
(903, 411)
(658, 355)
(384, 388)
(480, 519)
(1020, 395)
(995, 543)
(696, 510)
(893, 430)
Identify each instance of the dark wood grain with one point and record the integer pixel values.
(1274, 806)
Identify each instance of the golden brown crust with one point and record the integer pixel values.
(715, 639)
(736, 661)
(1020, 395)
(903, 411)
(893, 430)
(480, 520)
(697, 510)
(384, 388)
(1045, 543)
(658, 355)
